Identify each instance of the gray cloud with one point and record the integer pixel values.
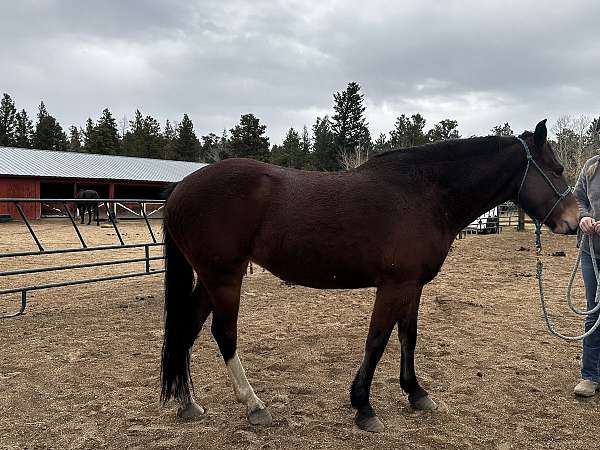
(477, 62)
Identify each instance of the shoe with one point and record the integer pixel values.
(586, 388)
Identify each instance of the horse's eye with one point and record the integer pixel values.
(559, 171)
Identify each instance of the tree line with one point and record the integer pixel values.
(336, 142)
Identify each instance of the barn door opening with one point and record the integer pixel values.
(49, 190)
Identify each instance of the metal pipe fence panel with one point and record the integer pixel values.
(110, 205)
(505, 215)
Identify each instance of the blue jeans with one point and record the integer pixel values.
(590, 359)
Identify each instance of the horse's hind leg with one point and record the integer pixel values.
(201, 307)
(225, 294)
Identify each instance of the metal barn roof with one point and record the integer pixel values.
(49, 163)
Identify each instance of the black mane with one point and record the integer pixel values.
(451, 149)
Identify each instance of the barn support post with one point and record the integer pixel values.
(37, 207)
(111, 195)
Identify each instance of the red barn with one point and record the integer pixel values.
(26, 173)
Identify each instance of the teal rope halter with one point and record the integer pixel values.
(531, 161)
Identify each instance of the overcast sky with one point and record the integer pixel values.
(481, 63)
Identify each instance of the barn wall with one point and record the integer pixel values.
(11, 187)
(26, 187)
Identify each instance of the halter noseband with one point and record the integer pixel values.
(531, 161)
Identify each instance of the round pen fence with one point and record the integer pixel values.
(111, 213)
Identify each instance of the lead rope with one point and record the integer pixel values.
(539, 272)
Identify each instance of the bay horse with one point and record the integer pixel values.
(89, 205)
(387, 224)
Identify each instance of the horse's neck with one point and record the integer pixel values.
(459, 186)
(475, 185)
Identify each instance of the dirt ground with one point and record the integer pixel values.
(80, 369)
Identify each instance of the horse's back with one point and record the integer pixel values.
(215, 211)
(88, 194)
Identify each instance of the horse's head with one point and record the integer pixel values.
(542, 190)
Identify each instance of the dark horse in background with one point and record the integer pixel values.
(90, 204)
(388, 223)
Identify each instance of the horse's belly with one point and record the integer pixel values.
(321, 273)
(324, 280)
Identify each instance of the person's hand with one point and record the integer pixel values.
(597, 227)
(588, 225)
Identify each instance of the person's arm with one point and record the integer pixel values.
(586, 221)
(580, 192)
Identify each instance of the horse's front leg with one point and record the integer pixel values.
(407, 333)
(391, 300)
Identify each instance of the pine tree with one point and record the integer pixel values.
(8, 121)
(324, 156)
(444, 130)
(133, 139)
(381, 144)
(289, 154)
(186, 146)
(248, 139)
(292, 146)
(154, 138)
(90, 142)
(408, 132)
(48, 134)
(74, 139)
(277, 156)
(225, 150)
(24, 130)
(349, 122)
(107, 135)
(143, 137)
(168, 141)
(502, 130)
(592, 137)
(214, 148)
(305, 149)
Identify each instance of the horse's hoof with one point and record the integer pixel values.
(424, 404)
(260, 417)
(371, 424)
(192, 411)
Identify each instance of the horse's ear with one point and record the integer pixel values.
(540, 134)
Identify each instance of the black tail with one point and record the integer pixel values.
(180, 323)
